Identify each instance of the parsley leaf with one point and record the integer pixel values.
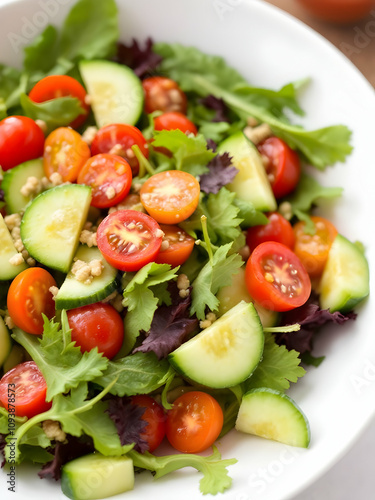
(61, 362)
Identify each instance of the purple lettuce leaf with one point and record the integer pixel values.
(221, 172)
(217, 105)
(143, 61)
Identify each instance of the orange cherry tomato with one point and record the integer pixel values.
(110, 178)
(176, 247)
(313, 249)
(65, 152)
(194, 423)
(170, 197)
(54, 86)
(28, 297)
(276, 278)
(278, 229)
(174, 120)
(154, 415)
(163, 94)
(24, 389)
(340, 11)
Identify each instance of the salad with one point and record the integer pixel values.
(162, 269)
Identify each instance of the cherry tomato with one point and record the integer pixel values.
(155, 417)
(278, 229)
(276, 278)
(118, 139)
(313, 249)
(170, 197)
(28, 297)
(163, 94)
(283, 168)
(54, 86)
(129, 239)
(97, 325)
(24, 387)
(65, 152)
(21, 139)
(176, 247)
(341, 11)
(174, 120)
(110, 178)
(194, 423)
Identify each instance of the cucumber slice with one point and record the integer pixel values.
(16, 356)
(232, 294)
(5, 342)
(224, 354)
(95, 476)
(8, 271)
(52, 224)
(273, 415)
(116, 92)
(14, 179)
(74, 293)
(251, 184)
(345, 279)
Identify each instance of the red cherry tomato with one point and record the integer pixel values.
(163, 94)
(155, 417)
(110, 178)
(129, 239)
(176, 247)
(118, 139)
(284, 167)
(21, 139)
(28, 297)
(194, 423)
(24, 390)
(340, 11)
(97, 325)
(276, 278)
(54, 86)
(278, 229)
(175, 121)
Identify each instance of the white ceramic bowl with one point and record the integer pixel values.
(270, 48)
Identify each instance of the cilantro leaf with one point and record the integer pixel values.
(127, 418)
(61, 362)
(215, 475)
(213, 276)
(277, 369)
(140, 373)
(190, 152)
(141, 61)
(221, 172)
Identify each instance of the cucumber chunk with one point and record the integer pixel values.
(345, 279)
(115, 91)
(5, 342)
(273, 415)
(224, 354)
(95, 476)
(74, 293)
(251, 184)
(15, 179)
(16, 356)
(52, 224)
(232, 294)
(8, 271)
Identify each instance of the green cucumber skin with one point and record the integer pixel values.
(5, 342)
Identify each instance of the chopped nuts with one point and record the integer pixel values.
(53, 430)
(89, 134)
(183, 284)
(286, 210)
(9, 322)
(210, 318)
(56, 179)
(86, 271)
(88, 238)
(54, 290)
(259, 133)
(32, 187)
(16, 260)
(12, 221)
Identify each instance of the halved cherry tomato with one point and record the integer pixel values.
(284, 167)
(278, 229)
(21, 139)
(163, 94)
(110, 178)
(155, 417)
(276, 278)
(23, 389)
(174, 120)
(340, 11)
(170, 197)
(28, 297)
(194, 423)
(118, 139)
(97, 325)
(129, 239)
(313, 249)
(54, 86)
(65, 152)
(176, 247)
